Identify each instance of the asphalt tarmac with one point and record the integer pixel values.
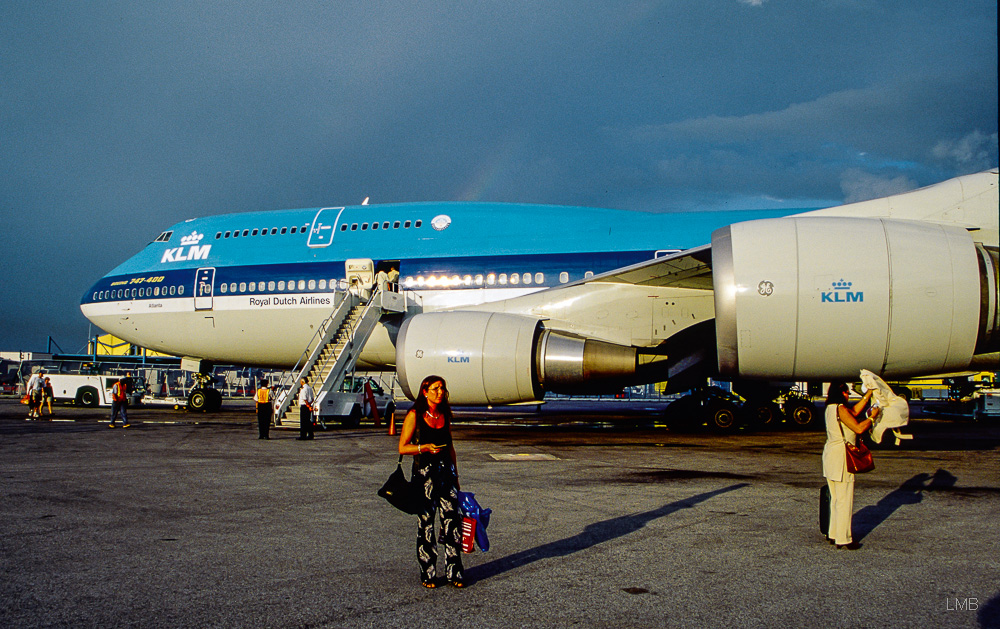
(600, 519)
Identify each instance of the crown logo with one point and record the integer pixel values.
(842, 285)
(193, 239)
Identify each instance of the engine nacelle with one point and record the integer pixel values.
(499, 358)
(821, 298)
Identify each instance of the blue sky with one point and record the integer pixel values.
(118, 119)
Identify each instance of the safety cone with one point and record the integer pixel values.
(390, 418)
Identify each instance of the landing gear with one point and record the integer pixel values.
(706, 406)
(203, 398)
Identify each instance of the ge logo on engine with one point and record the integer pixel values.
(765, 288)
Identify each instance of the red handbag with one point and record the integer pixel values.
(859, 458)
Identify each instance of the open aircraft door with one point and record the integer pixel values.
(204, 288)
(324, 226)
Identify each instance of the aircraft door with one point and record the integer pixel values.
(324, 226)
(204, 284)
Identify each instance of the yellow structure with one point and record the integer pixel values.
(111, 345)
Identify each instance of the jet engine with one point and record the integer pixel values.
(499, 358)
(817, 298)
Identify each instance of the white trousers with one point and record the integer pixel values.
(841, 510)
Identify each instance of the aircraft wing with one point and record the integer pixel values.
(685, 269)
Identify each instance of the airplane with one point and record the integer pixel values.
(509, 302)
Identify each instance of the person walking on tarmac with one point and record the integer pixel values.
(48, 396)
(306, 399)
(119, 401)
(264, 410)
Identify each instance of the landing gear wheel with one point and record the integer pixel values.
(679, 415)
(198, 401)
(214, 401)
(763, 415)
(721, 416)
(802, 415)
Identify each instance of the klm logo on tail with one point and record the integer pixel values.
(194, 250)
(842, 293)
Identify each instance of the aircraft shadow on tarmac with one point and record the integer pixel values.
(592, 535)
(909, 493)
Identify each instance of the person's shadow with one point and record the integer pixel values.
(910, 492)
(592, 535)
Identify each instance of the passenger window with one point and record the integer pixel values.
(539, 278)
(354, 227)
(173, 290)
(588, 275)
(503, 279)
(395, 225)
(491, 279)
(228, 234)
(232, 287)
(343, 227)
(253, 287)
(222, 289)
(294, 229)
(526, 278)
(467, 280)
(406, 225)
(133, 293)
(253, 233)
(243, 287)
(246, 232)
(270, 285)
(312, 284)
(284, 230)
(218, 235)
(281, 285)
(515, 278)
(302, 284)
(479, 280)
(274, 230)
(322, 284)
(304, 228)
(417, 224)
(364, 227)
(385, 225)
(563, 277)
(374, 225)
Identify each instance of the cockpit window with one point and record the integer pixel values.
(164, 237)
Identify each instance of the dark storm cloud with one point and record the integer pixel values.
(118, 118)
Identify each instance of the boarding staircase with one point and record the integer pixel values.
(333, 351)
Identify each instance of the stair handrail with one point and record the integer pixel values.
(349, 343)
(317, 341)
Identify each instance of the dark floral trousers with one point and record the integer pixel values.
(440, 482)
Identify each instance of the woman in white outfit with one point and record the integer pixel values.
(842, 426)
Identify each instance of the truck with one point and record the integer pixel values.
(91, 390)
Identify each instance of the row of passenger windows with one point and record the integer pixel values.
(385, 225)
(274, 231)
(420, 281)
(132, 293)
(252, 287)
(490, 279)
(262, 232)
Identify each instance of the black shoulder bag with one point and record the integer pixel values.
(405, 495)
